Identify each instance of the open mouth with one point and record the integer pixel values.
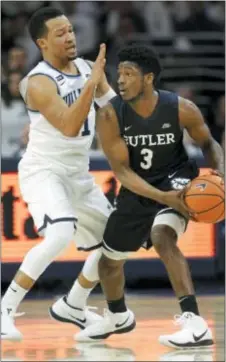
(72, 48)
(122, 92)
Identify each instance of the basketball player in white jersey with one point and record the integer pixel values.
(54, 176)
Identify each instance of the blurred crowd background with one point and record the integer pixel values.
(188, 35)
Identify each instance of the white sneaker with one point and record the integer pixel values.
(63, 312)
(195, 333)
(112, 323)
(8, 329)
(187, 355)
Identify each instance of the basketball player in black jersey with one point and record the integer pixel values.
(141, 132)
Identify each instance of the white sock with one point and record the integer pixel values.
(78, 295)
(13, 296)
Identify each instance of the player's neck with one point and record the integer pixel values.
(146, 104)
(66, 66)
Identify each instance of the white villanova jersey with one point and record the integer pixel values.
(47, 145)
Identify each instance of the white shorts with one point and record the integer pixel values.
(53, 198)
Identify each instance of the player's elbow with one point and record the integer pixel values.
(70, 132)
(67, 127)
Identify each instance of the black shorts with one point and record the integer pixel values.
(129, 226)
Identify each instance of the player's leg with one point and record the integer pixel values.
(72, 308)
(57, 237)
(122, 235)
(86, 281)
(111, 265)
(93, 212)
(117, 318)
(170, 226)
(166, 229)
(52, 215)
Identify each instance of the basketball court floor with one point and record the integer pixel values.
(49, 340)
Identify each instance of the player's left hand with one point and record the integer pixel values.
(175, 200)
(191, 215)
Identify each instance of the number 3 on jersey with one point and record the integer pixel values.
(147, 158)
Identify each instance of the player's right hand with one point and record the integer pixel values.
(98, 66)
(218, 173)
(175, 200)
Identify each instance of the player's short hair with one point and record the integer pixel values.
(37, 23)
(144, 56)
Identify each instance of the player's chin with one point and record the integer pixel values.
(125, 96)
(72, 57)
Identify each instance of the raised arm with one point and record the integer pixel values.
(104, 93)
(192, 120)
(42, 96)
(117, 153)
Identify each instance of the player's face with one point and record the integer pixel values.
(60, 41)
(130, 81)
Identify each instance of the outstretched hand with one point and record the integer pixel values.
(99, 64)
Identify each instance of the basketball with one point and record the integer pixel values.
(205, 197)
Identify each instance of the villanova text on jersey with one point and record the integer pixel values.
(155, 143)
(71, 97)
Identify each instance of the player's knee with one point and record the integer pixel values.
(60, 233)
(163, 238)
(109, 267)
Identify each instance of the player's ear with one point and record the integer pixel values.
(41, 43)
(149, 78)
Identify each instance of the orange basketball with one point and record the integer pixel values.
(205, 196)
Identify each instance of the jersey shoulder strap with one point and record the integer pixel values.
(42, 68)
(84, 66)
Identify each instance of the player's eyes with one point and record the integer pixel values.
(61, 34)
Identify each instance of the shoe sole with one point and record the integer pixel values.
(55, 316)
(106, 335)
(208, 343)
